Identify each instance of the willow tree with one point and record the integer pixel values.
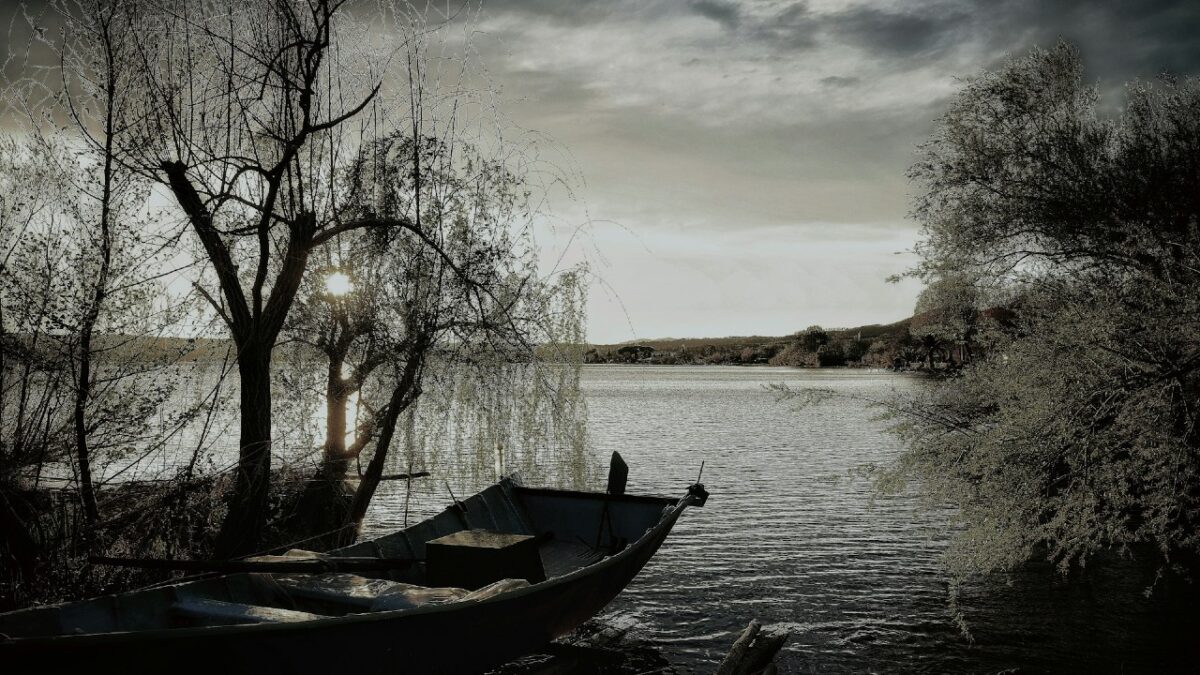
(457, 291)
(248, 107)
(1078, 431)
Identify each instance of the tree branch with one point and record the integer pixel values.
(201, 220)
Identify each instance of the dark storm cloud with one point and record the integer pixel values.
(571, 13)
(801, 77)
(895, 34)
(796, 27)
(792, 28)
(1119, 40)
(724, 13)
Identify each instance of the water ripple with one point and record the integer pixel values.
(792, 535)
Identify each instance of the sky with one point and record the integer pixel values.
(743, 162)
(738, 166)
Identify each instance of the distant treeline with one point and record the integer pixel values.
(909, 343)
(876, 345)
(47, 351)
(46, 347)
(942, 336)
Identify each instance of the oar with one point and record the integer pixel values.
(302, 566)
(405, 476)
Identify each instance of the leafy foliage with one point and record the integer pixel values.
(1077, 432)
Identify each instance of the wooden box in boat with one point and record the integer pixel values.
(475, 558)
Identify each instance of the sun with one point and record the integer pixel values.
(338, 284)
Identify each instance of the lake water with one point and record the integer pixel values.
(791, 535)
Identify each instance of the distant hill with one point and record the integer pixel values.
(870, 345)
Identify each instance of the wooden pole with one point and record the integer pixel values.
(405, 476)
(753, 653)
(732, 662)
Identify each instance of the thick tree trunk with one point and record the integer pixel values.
(243, 527)
(337, 396)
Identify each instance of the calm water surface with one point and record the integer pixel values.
(792, 536)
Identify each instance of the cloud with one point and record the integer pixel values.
(568, 13)
(724, 13)
(726, 122)
(793, 28)
(840, 81)
(771, 71)
(731, 123)
(895, 34)
(1119, 40)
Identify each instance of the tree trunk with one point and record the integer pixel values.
(320, 516)
(321, 510)
(405, 392)
(337, 396)
(243, 527)
(83, 390)
(87, 492)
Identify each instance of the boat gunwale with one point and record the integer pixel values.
(598, 496)
(666, 522)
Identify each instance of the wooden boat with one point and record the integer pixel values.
(590, 545)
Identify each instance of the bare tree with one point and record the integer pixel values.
(80, 261)
(250, 104)
(254, 118)
(97, 67)
(82, 306)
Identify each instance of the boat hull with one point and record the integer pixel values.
(449, 638)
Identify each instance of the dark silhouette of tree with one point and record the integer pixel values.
(812, 338)
(248, 109)
(461, 298)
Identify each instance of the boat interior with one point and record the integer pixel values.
(559, 531)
